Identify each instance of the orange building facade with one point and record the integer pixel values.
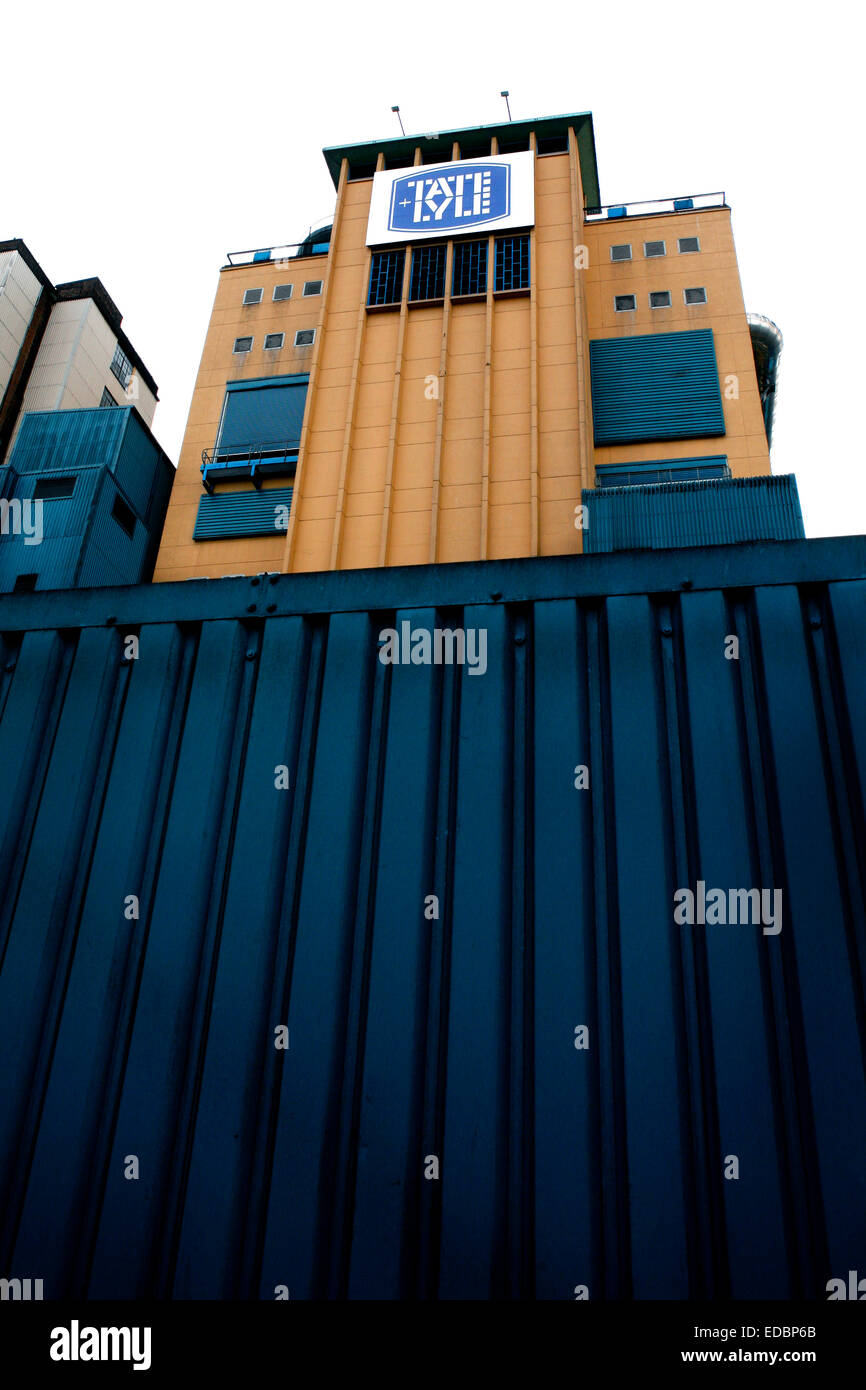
(445, 394)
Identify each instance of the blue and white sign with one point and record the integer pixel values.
(436, 200)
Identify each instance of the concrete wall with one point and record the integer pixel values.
(19, 294)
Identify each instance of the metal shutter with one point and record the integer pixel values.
(263, 413)
(655, 386)
(229, 514)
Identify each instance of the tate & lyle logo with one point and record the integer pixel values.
(442, 200)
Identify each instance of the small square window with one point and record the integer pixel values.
(305, 337)
(281, 293)
(55, 487)
(654, 248)
(686, 244)
(660, 299)
(361, 171)
(624, 302)
(312, 287)
(25, 584)
(124, 516)
(695, 296)
(621, 252)
(253, 296)
(242, 345)
(273, 341)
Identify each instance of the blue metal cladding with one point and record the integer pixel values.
(416, 1034)
(110, 453)
(227, 514)
(655, 386)
(712, 511)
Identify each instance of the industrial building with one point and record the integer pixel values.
(465, 358)
(331, 976)
(83, 483)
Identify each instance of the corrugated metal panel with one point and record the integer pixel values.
(64, 521)
(713, 511)
(240, 513)
(655, 386)
(412, 1034)
(68, 439)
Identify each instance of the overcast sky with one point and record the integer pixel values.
(143, 142)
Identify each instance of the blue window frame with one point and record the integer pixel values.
(511, 265)
(470, 268)
(427, 280)
(386, 277)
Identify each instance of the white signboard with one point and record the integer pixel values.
(445, 200)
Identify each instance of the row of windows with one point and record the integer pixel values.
(659, 299)
(305, 337)
(637, 474)
(686, 245)
(468, 276)
(283, 292)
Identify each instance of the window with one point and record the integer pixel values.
(253, 296)
(511, 263)
(470, 268)
(25, 584)
(624, 302)
(654, 248)
(107, 398)
(121, 367)
(55, 487)
(305, 337)
(660, 299)
(242, 345)
(263, 417)
(687, 244)
(361, 171)
(622, 252)
(552, 144)
(274, 341)
(312, 287)
(695, 296)
(124, 516)
(662, 471)
(427, 279)
(281, 293)
(386, 277)
(477, 151)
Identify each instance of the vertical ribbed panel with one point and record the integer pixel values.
(712, 511)
(448, 1033)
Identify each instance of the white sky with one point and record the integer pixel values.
(141, 143)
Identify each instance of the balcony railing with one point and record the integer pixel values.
(691, 202)
(276, 255)
(255, 461)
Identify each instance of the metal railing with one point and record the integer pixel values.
(279, 255)
(240, 460)
(690, 202)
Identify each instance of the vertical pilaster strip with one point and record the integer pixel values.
(440, 412)
(584, 405)
(395, 409)
(486, 408)
(533, 376)
(289, 552)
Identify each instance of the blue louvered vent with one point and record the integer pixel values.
(655, 386)
(228, 514)
(714, 511)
